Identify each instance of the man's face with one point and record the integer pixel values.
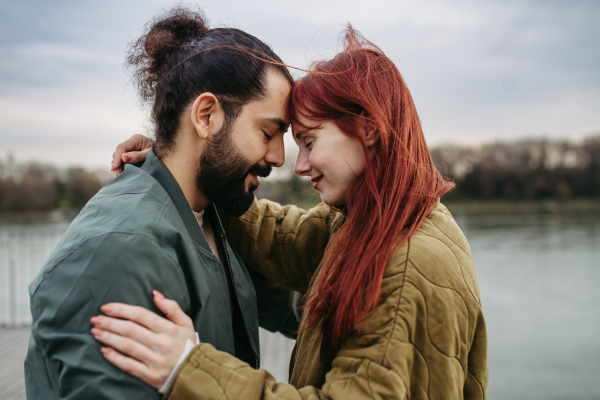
(245, 149)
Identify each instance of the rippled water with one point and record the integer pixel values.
(539, 276)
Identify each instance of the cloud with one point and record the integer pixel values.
(478, 70)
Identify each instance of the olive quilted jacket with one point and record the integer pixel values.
(426, 339)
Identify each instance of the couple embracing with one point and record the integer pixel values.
(160, 284)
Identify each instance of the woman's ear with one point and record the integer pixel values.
(207, 115)
(369, 129)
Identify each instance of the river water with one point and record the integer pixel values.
(539, 276)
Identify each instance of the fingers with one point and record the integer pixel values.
(135, 157)
(136, 143)
(133, 367)
(172, 310)
(125, 345)
(115, 166)
(141, 316)
(127, 329)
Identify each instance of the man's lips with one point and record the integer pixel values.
(254, 179)
(317, 180)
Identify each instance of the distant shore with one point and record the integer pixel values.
(455, 206)
(521, 206)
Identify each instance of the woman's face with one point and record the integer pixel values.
(332, 159)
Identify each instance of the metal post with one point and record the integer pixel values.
(12, 284)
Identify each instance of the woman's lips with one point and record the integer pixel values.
(317, 180)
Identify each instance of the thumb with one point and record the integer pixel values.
(171, 309)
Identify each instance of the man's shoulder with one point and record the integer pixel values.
(130, 220)
(130, 184)
(133, 203)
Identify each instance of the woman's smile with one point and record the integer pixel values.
(316, 180)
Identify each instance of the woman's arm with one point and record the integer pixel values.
(415, 344)
(284, 243)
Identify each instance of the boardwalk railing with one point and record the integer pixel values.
(23, 252)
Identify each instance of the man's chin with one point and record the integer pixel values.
(237, 205)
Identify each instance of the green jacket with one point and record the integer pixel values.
(426, 338)
(136, 235)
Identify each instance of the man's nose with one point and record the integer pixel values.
(302, 166)
(275, 152)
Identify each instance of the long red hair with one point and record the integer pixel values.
(384, 207)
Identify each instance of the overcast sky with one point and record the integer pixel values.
(478, 70)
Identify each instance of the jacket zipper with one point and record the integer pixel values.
(293, 361)
(237, 300)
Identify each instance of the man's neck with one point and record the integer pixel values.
(184, 173)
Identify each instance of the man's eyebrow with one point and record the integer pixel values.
(281, 125)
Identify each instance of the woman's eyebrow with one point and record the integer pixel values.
(298, 135)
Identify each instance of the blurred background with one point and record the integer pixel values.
(509, 96)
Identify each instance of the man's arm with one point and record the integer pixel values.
(116, 267)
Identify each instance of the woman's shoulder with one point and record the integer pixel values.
(438, 253)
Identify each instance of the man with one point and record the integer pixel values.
(220, 117)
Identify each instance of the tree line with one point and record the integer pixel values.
(535, 169)
(521, 170)
(34, 187)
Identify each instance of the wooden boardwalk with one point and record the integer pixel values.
(13, 348)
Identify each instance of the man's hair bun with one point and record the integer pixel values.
(162, 37)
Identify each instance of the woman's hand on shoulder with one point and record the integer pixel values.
(142, 343)
(132, 151)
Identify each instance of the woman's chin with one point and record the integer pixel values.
(332, 201)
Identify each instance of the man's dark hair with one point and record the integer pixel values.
(178, 58)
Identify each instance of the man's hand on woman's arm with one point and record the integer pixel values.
(132, 151)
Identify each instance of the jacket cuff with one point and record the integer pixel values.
(189, 345)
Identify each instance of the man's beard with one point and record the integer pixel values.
(222, 174)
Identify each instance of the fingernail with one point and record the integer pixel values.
(106, 308)
(115, 174)
(158, 294)
(95, 320)
(105, 350)
(126, 157)
(97, 332)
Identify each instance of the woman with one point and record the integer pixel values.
(393, 307)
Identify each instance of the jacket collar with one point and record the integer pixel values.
(159, 171)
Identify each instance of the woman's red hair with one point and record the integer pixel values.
(358, 87)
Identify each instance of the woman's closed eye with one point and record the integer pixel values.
(267, 136)
(309, 142)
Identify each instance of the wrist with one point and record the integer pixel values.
(189, 345)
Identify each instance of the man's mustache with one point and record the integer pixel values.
(260, 170)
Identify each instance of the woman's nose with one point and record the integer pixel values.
(302, 166)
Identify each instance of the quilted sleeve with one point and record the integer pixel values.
(212, 374)
(358, 372)
(283, 243)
